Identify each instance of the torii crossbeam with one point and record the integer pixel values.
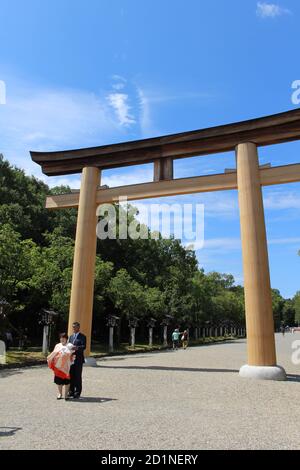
(243, 137)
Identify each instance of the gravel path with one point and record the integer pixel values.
(191, 399)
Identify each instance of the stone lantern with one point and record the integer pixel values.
(47, 320)
(132, 323)
(111, 323)
(151, 325)
(165, 323)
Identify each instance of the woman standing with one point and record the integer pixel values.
(185, 339)
(60, 361)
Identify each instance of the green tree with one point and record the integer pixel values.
(23, 202)
(288, 312)
(155, 305)
(127, 294)
(51, 281)
(103, 275)
(277, 304)
(296, 301)
(16, 266)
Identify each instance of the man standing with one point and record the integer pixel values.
(79, 341)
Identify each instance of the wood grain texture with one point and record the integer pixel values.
(82, 290)
(275, 129)
(258, 299)
(197, 184)
(163, 169)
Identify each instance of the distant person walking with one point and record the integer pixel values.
(79, 341)
(185, 339)
(282, 329)
(175, 339)
(60, 361)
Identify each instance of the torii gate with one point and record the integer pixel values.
(243, 137)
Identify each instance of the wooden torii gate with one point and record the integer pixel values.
(243, 137)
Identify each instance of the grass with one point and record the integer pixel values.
(100, 349)
(34, 356)
(31, 356)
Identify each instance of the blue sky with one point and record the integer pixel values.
(84, 73)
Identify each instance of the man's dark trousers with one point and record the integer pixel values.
(76, 378)
(79, 340)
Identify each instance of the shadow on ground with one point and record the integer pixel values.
(293, 378)
(7, 431)
(179, 369)
(290, 377)
(92, 400)
(8, 372)
(124, 357)
(12, 370)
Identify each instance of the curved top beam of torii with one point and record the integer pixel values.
(269, 130)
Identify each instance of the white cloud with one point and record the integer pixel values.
(48, 119)
(230, 244)
(52, 119)
(280, 200)
(150, 99)
(224, 204)
(218, 245)
(219, 204)
(73, 181)
(119, 78)
(119, 102)
(121, 177)
(270, 10)
(145, 119)
(111, 178)
(118, 86)
(119, 82)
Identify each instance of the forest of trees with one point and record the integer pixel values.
(134, 278)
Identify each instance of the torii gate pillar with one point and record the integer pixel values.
(245, 137)
(258, 297)
(82, 291)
